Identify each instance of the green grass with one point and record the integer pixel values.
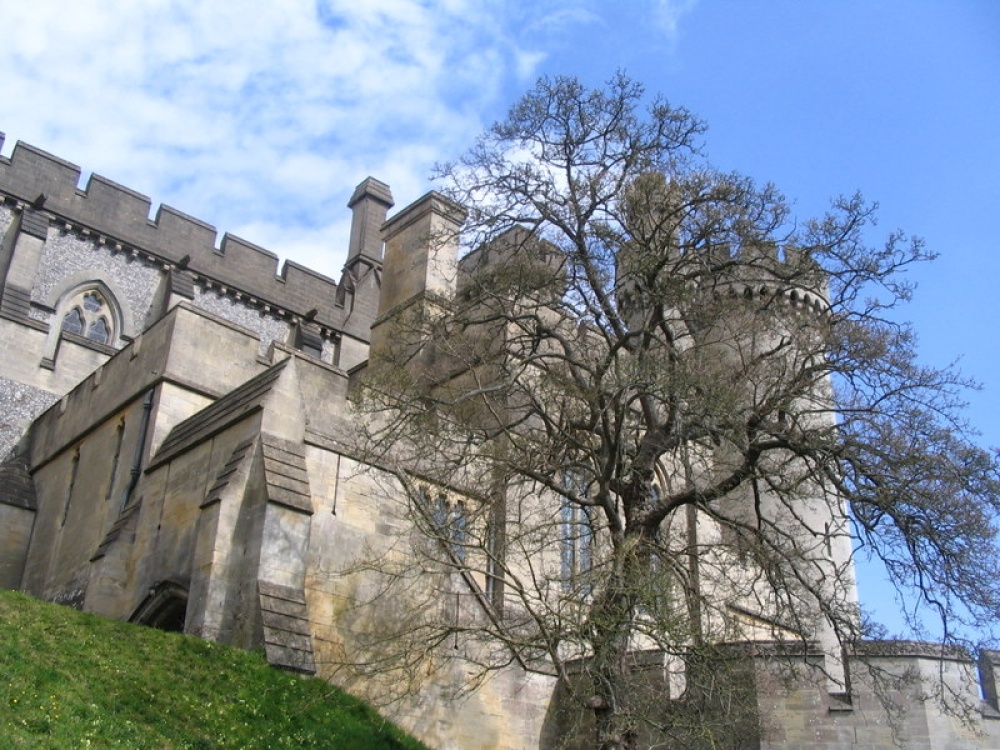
(72, 680)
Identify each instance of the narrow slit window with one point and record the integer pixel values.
(74, 468)
(577, 538)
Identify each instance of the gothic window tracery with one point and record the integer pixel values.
(88, 314)
(73, 322)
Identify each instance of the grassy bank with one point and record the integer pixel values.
(72, 680)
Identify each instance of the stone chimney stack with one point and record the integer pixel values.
(370, 203)
(358, 290)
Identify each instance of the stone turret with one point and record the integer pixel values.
(370, 202)
(767, 312)
(358, 290)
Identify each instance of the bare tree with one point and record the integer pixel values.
(657, 414)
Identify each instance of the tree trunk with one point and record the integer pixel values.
(611, 620)
(615, 731)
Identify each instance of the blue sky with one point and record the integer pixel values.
(260, 117)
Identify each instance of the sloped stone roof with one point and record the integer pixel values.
(285, 619)
(216, 417)
(285, 474)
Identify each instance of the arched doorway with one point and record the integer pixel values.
(165, 608)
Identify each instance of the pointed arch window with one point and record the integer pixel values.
(88, 314)
(577, 527)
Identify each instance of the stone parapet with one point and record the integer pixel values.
(120, 217)
(164, 353)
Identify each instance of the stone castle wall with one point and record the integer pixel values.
(903, 695)
(57, 238)
(6, 217)
(203, 452)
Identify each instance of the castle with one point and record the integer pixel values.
(176, 452)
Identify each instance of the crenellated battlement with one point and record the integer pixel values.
(764, 273)
(117, 216)
(796, 298)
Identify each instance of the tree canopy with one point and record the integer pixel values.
(658, 412)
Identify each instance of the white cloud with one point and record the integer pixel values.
(667, 14)
(564, 17)
(260, 116)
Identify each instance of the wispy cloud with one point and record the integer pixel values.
(258, 116)
(667, 15)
